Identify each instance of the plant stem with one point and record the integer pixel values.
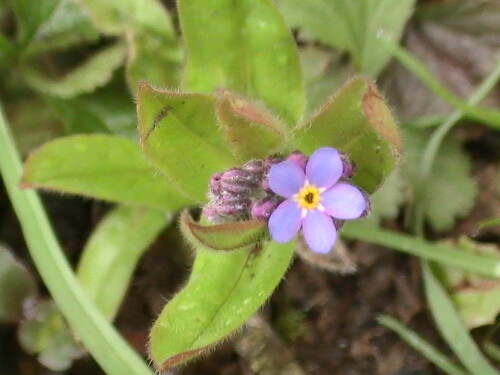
(107, 347)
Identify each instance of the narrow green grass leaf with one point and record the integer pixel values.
(357, 121)
(103, 342)
(103, 167)
(113, 251)
(224, 290)
(421, 346)
(487, 116)
(481, 264)
(452, 328)
(248, 50)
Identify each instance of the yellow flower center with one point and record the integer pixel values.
(308, 197)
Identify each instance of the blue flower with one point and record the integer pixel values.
(314, 197)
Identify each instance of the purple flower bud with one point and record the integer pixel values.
(348, 165)
(270, 161)
(254, 166)
(227, 208)
(298, 158)
(239, 181)
(368, 207)
(262, 209)
(214, 184)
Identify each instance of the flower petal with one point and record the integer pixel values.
(286, 178)
(343, 201)
(319, 231)
(324, 167)
(285, 221)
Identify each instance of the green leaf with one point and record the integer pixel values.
(66, 25)
(17, 285)
(224, 289)
(108, 348)
(482, 264)
(247, 50)
(30, 15)
(452, 327)
(420, 345)
(93, 73)
(113, 251)
(449, 191)
(47, 334)
(102, 167)
(477, 298)
(110, 109)
(180, 135)
(252, 131)
(162, 71)
(356, 121)
(352, 26)
(222, 237)
(386, 201)
(149, 32)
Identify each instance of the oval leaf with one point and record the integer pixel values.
(358, 122)
(222, 237)
(179, 134)
(224, 290)
(112, 252)
(248, 50)
(252, 131)
(102, 167)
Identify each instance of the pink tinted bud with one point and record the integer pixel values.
(270, 161)
(253, 166)
(348, 166)
(227, 208)
(214, 184)
(239, 181)
(368, 208)
(338, 223)
(298, 158)
(262, 209)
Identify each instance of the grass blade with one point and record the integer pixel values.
(103, 342)
(484, 265)
(420, 345)
(451, 327)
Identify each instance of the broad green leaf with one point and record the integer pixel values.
(66, 25)
(449, 191)
(180, 135)
(452, 327)
(162, 70)
(477, 298)
(248, 49)
(110, 109)
(113, 251)
(386, 201)
(352, 26)
(46, 334)
(102, 167)
(222, 237)
(93, 73)
(16, 286)
(149, 32)
(251, 130)
(30, 15)
(324, 72)
(356, 121)
(224, 289)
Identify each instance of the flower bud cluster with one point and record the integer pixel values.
(243, 193)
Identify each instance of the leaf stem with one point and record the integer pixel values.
(104, 343)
